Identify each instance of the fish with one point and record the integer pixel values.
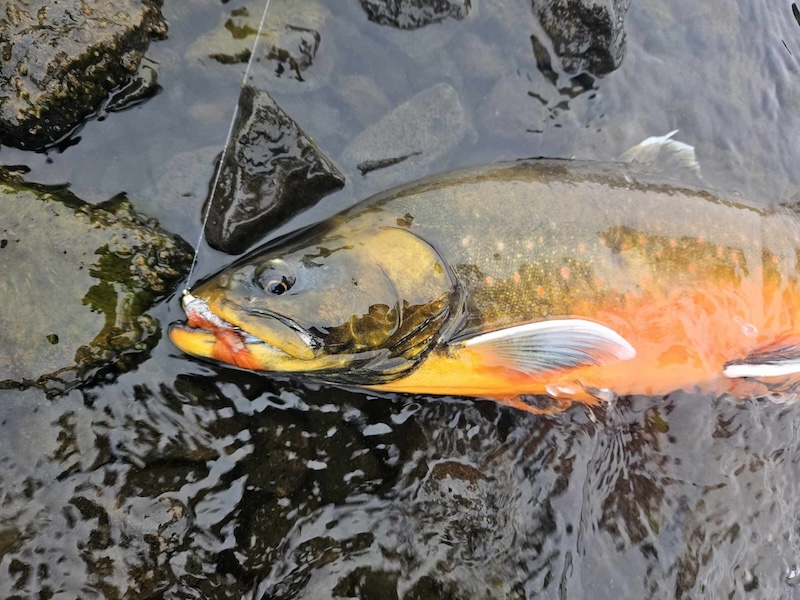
(555, 279)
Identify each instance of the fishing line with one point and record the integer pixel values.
(215, 185)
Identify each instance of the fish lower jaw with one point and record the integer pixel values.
(229, 346)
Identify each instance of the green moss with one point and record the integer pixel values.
(85, 277)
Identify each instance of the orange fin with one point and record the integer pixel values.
(559, 399)
(557, 405)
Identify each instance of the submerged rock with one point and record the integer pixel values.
(413, 14)
(60, 60)
(272, 171)
(413, 135)
(81, 278)
(510, 110)
(288, 45)
(478, 58)
(587, 35)
(364, 97)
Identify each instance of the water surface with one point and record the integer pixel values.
(183, 480)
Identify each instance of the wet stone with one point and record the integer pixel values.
(413, 14)
(279, 486)
(587, 35)
(462, 495)
(361, 473)
(279, 467)
(414, 135)
(85, 277)
(428, 588)
(367, 584)
(262, 528)
(60, 60)
(272, 171)
(63, 522)
(140, 89)
(314, 557)
(375, 165)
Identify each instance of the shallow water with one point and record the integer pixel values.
(183, 480)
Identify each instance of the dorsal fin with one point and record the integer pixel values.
(548, 346)
(662, 154)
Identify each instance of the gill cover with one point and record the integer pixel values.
(360, 303)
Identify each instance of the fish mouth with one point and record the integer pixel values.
(207, 334)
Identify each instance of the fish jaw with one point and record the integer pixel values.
(207, 335)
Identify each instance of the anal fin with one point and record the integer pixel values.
(559, 398)
(537, 405)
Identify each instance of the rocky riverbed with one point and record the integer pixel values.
(131, 471)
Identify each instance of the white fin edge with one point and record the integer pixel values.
(738, 371)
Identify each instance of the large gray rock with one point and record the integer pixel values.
(60, 60)
(413, 135)
(272, 171)
(413, 14)
(587, 35)
(77, 282)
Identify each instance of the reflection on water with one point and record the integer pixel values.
(218, 485)
(181, 481)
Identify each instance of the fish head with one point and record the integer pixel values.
(354, 304)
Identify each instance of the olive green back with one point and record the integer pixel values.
(539, 239)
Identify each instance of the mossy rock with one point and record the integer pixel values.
(60, 60)
(77, 280)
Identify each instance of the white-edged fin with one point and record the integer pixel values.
(773, 361)
(548, 346)
(665, 155)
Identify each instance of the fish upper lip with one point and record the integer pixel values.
(189, 302)
(305, 335)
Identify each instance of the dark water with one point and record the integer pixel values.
(181, 480)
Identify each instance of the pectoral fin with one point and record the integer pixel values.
(776, 360)
(549, 346)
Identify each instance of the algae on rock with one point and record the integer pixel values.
(77, 280)
(288, 45)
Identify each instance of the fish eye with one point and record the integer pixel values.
(273, 278)
(278, 285)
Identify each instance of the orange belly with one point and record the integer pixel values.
(682, 338)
